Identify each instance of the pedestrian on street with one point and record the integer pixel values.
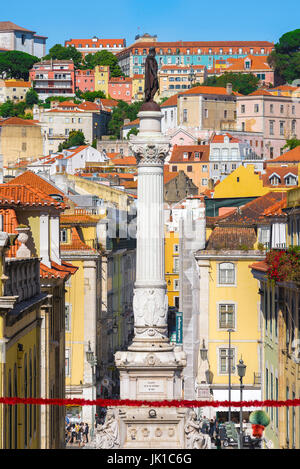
(86, 432)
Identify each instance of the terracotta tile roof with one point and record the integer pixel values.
(38, 183)
(89, 106)
(78, 219)
(18, 121)
(284, 88)
(276, 209)
(289, 156)
(214, 90)
(220, 138)
(57, 271)
(253, 212)
(179, 150)
(120, 80)
(125, 161)
(261, 266)
(91, 42)
(108, 102)
(170, 102)
(129, 184)
(138, 76)
(17, 84)
(280, 171)
(169, 175)
(76, 243)
(134, 122)
(257, 62)
(67, 104)
(10, 223)
(231, 238)
(260, 93)
(25, 195)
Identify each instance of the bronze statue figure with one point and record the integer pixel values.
(151, 81)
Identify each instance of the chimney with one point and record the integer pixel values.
(229, 88)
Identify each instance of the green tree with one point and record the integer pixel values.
(7, 109)
(31, 97)
(59, 52)
(285, 58)
(76, 138)
(292, 143)
(244, 83)
(121, 112)
(16, 64)
(104, 57)
(133, 131)
(90, 95)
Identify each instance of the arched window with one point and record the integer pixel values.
(226, 273)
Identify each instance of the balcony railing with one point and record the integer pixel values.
(23, 278)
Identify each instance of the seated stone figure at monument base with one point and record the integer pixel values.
(194, 438)
(107, 436)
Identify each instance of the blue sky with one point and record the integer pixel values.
(170, 20)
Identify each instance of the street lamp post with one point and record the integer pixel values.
(92, 360)
(241, 367)
(229, 373)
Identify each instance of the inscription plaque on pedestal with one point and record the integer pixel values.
(150, 386)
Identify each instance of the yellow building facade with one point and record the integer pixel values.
(172, 267)
(102, 78)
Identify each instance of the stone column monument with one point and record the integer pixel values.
(151, 368)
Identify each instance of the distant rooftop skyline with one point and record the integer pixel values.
(170, 20)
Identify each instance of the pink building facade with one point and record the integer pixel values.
(275, 118)
(53, 78)
(85, 80)
(120, 88)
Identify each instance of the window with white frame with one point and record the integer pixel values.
(64, 235)
(176, 264)
(224, 358)
(226, 316)
(67, 362)
(226, 273)
(68, 317)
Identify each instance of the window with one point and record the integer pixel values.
(271, 108)
(271, 152)
(242, 108)
(64, 235)
(271, 127)
(176, 264)
(67, 362)
(176, 248)
(226, 273)
(225, 114)
(189, 169)
(226, 316)
(176, 284)
(216, 166)
(185, 115)
(204, 182)
(24, 146)
(206, 113)
(294, 127)
(256, 108)
(174, 169)
(226, 355)
(281, 109)
(204, 168)
(67, 317)
(281, 127)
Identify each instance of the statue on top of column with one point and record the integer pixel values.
(151, 82)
